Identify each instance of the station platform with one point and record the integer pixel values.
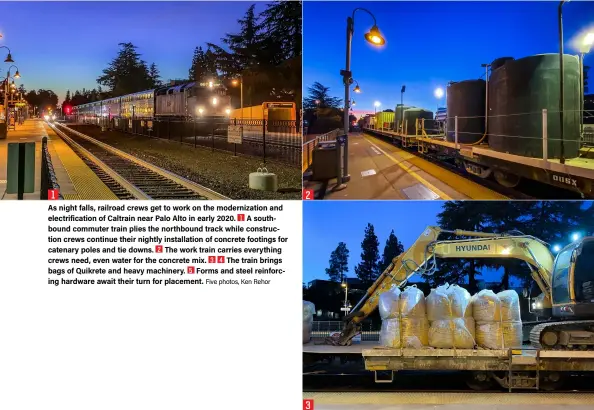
(380, 170)
(450, 401)
(76, 179)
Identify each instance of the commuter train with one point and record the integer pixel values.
(208, 101)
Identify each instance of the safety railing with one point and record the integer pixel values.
(323, 329)
(534, 135)
(310, 145)
(49, 181)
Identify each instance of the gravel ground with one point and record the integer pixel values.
(219, 171)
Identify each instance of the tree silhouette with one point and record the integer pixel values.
(368, 270)
(127, 73)
(392, 249)
(319, 97)
(339, 264)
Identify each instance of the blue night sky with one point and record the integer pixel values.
(66, 45)
(348, 220)
(429, 44)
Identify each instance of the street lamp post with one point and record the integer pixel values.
(584, 49)
(438, 94)
(402, 90)
(346, 301)
(234, 82)
(561, 96)
(7, 85)
(486, 67)
(375, 106)
(374, 37)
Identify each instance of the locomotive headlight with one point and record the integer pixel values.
(46, 117)
(228, 111)
(200, 110)
(214, 101)
(210, 84)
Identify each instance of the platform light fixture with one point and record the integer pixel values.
(556, 248)
(9, 56)
(575, 236)
(375, 37)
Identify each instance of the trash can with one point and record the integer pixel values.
(325, 161)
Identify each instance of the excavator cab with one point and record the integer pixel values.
(573, 280)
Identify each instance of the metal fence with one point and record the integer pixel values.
(275, 140)
(48, 175)
(309, 146)
(323, 329)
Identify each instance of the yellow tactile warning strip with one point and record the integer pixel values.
(70, 197)
(459, 183)
(502, 398)
(88, 186)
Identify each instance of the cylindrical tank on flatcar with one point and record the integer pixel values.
(410, 119)
(384, 120)
(499, 62)
(519, 90)
(399, 114)
(466, 100)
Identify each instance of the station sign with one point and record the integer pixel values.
(234, 134)
(279, 105)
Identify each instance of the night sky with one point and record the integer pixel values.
(66, 45)
(326, 223)
(430, 43)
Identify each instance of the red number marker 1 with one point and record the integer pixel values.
(308, 404)
(52, 194)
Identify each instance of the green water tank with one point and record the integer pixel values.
(519, 91)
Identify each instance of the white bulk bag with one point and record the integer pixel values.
(412, 303)
(388, 303)
(486, 307)
(510, 306)
(390, 333)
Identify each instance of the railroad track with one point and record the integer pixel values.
(129, 177)
(410, 382)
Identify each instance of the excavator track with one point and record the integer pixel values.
(550, 331)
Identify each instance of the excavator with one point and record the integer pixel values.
(566, 282)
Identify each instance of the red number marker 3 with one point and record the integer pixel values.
(308, 404)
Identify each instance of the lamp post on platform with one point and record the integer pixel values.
(374, 37)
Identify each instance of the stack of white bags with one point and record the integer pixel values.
(498, 321)
(450, 313)
(449, 318)
(404, 319)
(308, 315)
